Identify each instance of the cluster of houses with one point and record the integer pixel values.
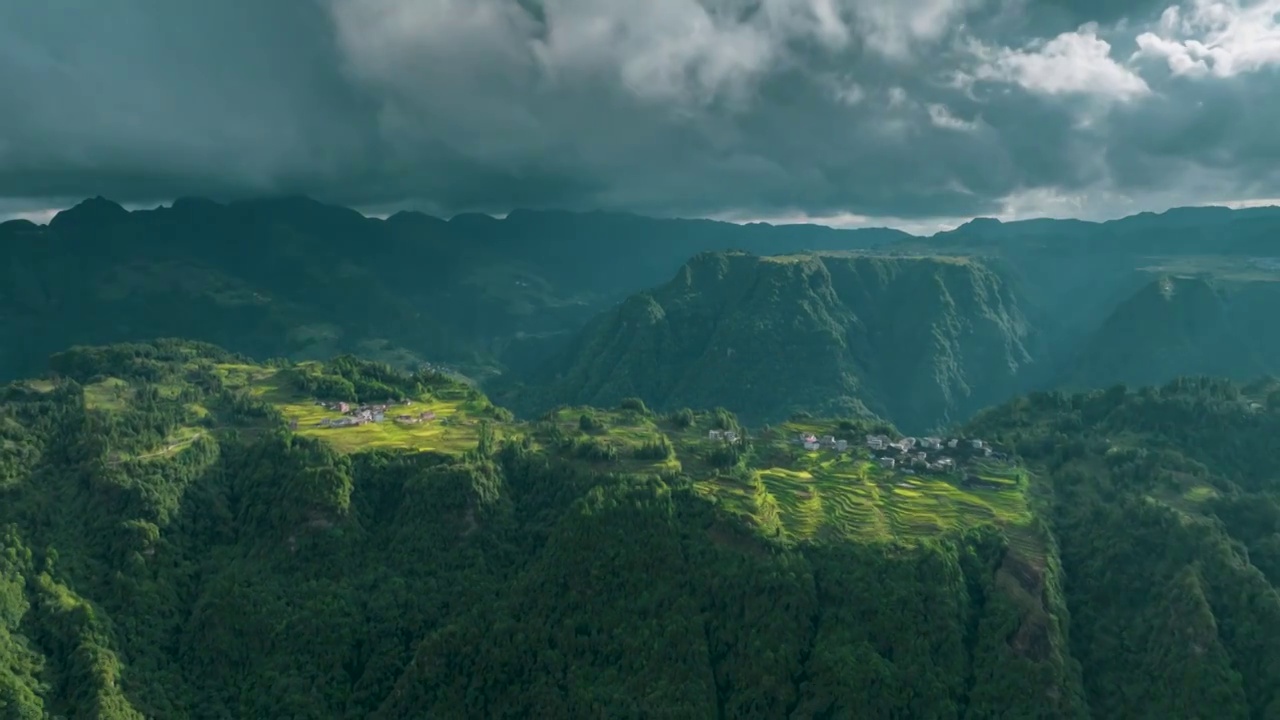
(372, 413)
(910, 452)
(728, 436)
(827, 442)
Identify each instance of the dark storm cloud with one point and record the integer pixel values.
(142, 99)
(692, 107)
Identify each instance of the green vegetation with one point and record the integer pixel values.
(169, 547)
(920, 331)
(292, 277)
(1176, 325)
(913, 339)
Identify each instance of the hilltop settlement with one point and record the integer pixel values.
(356, 415)
(911, 455)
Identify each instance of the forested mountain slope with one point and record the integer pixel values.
(1166, 512)
(1074, 275)
(496, 298)
(298, 278)
(1179, 325)
(170, 548)
(917, 340)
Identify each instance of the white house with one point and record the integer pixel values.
(842, 445)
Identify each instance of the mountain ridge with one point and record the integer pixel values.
(842, 316)
(329, 279)
(497, 298)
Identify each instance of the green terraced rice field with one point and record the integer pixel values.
(858, 501)
(422, 436)
(453, 430)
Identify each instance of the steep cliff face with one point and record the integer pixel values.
(1184, 326)
(920, 341)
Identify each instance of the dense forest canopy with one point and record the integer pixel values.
(181, 536)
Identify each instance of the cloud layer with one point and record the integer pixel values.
(745, 108)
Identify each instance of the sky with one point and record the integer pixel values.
(848, 112)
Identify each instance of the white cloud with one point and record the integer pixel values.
(39, 216)
(690, 51)
(941, 117)
(849, 221)
(847, 91)
(1216, 37)
(1073, 63)
(1254, 203)
(893, 28)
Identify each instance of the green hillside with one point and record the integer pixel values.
(173, 545)
(1219, 322)
(174, 550)
(917, 340)
(298, 278)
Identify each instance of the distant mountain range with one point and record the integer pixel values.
(922, 330)
(296, 277)
(925, 331)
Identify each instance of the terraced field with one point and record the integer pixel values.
(853, 499)
(455, 429)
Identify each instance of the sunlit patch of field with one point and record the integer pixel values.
(1199, 494)
(1221, 267)
(453, 430)
(456, 436)
(177, 441)
(626, 431)
(1188, 494)
(854, 499)
(109, 394)
(243, 376)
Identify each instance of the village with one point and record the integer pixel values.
(911, 455)
(356, 415)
